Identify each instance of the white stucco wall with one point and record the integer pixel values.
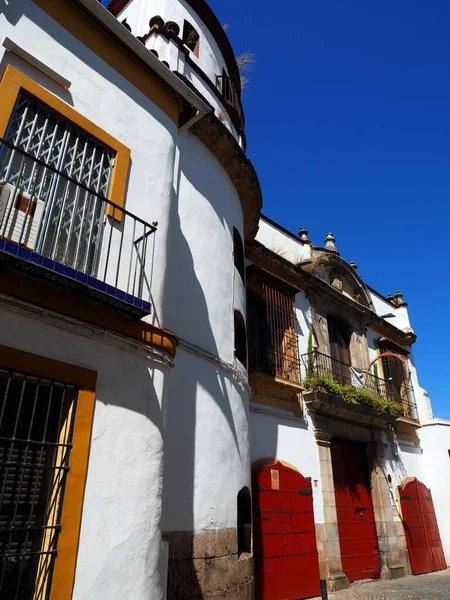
(173, 179)
(176, 181)
(120, 533)
(210, 60)
(206, 459)
(435, 438)
(280, 243)
(400, 318)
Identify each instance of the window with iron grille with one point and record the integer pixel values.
(67, 221)
(37, 417)
(273, 344)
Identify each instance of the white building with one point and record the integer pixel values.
(127, 436)
(338, 414)
(125, 199)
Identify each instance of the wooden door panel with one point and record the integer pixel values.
(356, 521)
(421, 528)
(285, 549)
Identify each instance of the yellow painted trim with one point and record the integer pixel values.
(65, 563)
(14, 80)
(93, 36)
(39, 293)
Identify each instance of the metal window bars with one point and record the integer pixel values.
(37, 417)
(54, 183)
(394, 390)
(273, 343)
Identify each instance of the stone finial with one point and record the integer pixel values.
(303, 235)
(156, 21)
(390, 298)
(173, 27)
(126, 25)
(354, 265)
(329, 243)
(399, 298)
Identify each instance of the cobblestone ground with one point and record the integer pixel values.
(435, 586)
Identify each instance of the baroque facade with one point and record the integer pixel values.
(336, 400)
(170, 361)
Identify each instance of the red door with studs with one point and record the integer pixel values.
(356, 522)
(421, 528)
(284, 535)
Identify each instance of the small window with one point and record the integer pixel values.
(244, 521)
(240, 338)
(191, 38)
(239, 262)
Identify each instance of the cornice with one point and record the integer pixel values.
(301, 280)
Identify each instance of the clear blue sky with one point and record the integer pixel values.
(348, 125)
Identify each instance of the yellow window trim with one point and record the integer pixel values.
(13, 81)
(64, 571)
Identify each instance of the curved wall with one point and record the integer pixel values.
(200, 68)
(193, 417)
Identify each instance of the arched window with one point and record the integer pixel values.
(238, 252)
(244, 521)
(240, 338)
(191, 38)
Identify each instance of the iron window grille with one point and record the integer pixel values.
(273, 342)
(71, 226)
(54, 181)
(37, 417)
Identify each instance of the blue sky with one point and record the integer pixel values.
(348, 125)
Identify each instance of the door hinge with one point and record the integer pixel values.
(306, 492)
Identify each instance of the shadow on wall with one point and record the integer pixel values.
(187, 422)
(12, 10)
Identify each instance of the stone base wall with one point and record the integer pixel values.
(403, 548)
(205, 564)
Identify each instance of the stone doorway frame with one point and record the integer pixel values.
(330, 561)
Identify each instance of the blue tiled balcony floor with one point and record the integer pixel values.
(100, 288)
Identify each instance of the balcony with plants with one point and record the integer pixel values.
(57, 224)
(336, 388)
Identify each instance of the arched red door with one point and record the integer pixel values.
(284, 535)
(421, 528)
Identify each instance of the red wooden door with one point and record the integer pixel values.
(284, 535)
(421, 528)
(356, 522)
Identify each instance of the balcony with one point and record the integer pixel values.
(335, 387)
(274, 370)
(58, 228)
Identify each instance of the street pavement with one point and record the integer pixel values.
(434, 586)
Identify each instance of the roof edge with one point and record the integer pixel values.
(206, 14)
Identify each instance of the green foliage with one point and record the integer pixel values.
(353, 395)
(310, 358)
(376, 376)
(375, 370)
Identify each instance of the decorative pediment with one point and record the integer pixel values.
(339, 274)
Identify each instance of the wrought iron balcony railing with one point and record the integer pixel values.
(60, 223)
(394, 390)
(281, 361)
